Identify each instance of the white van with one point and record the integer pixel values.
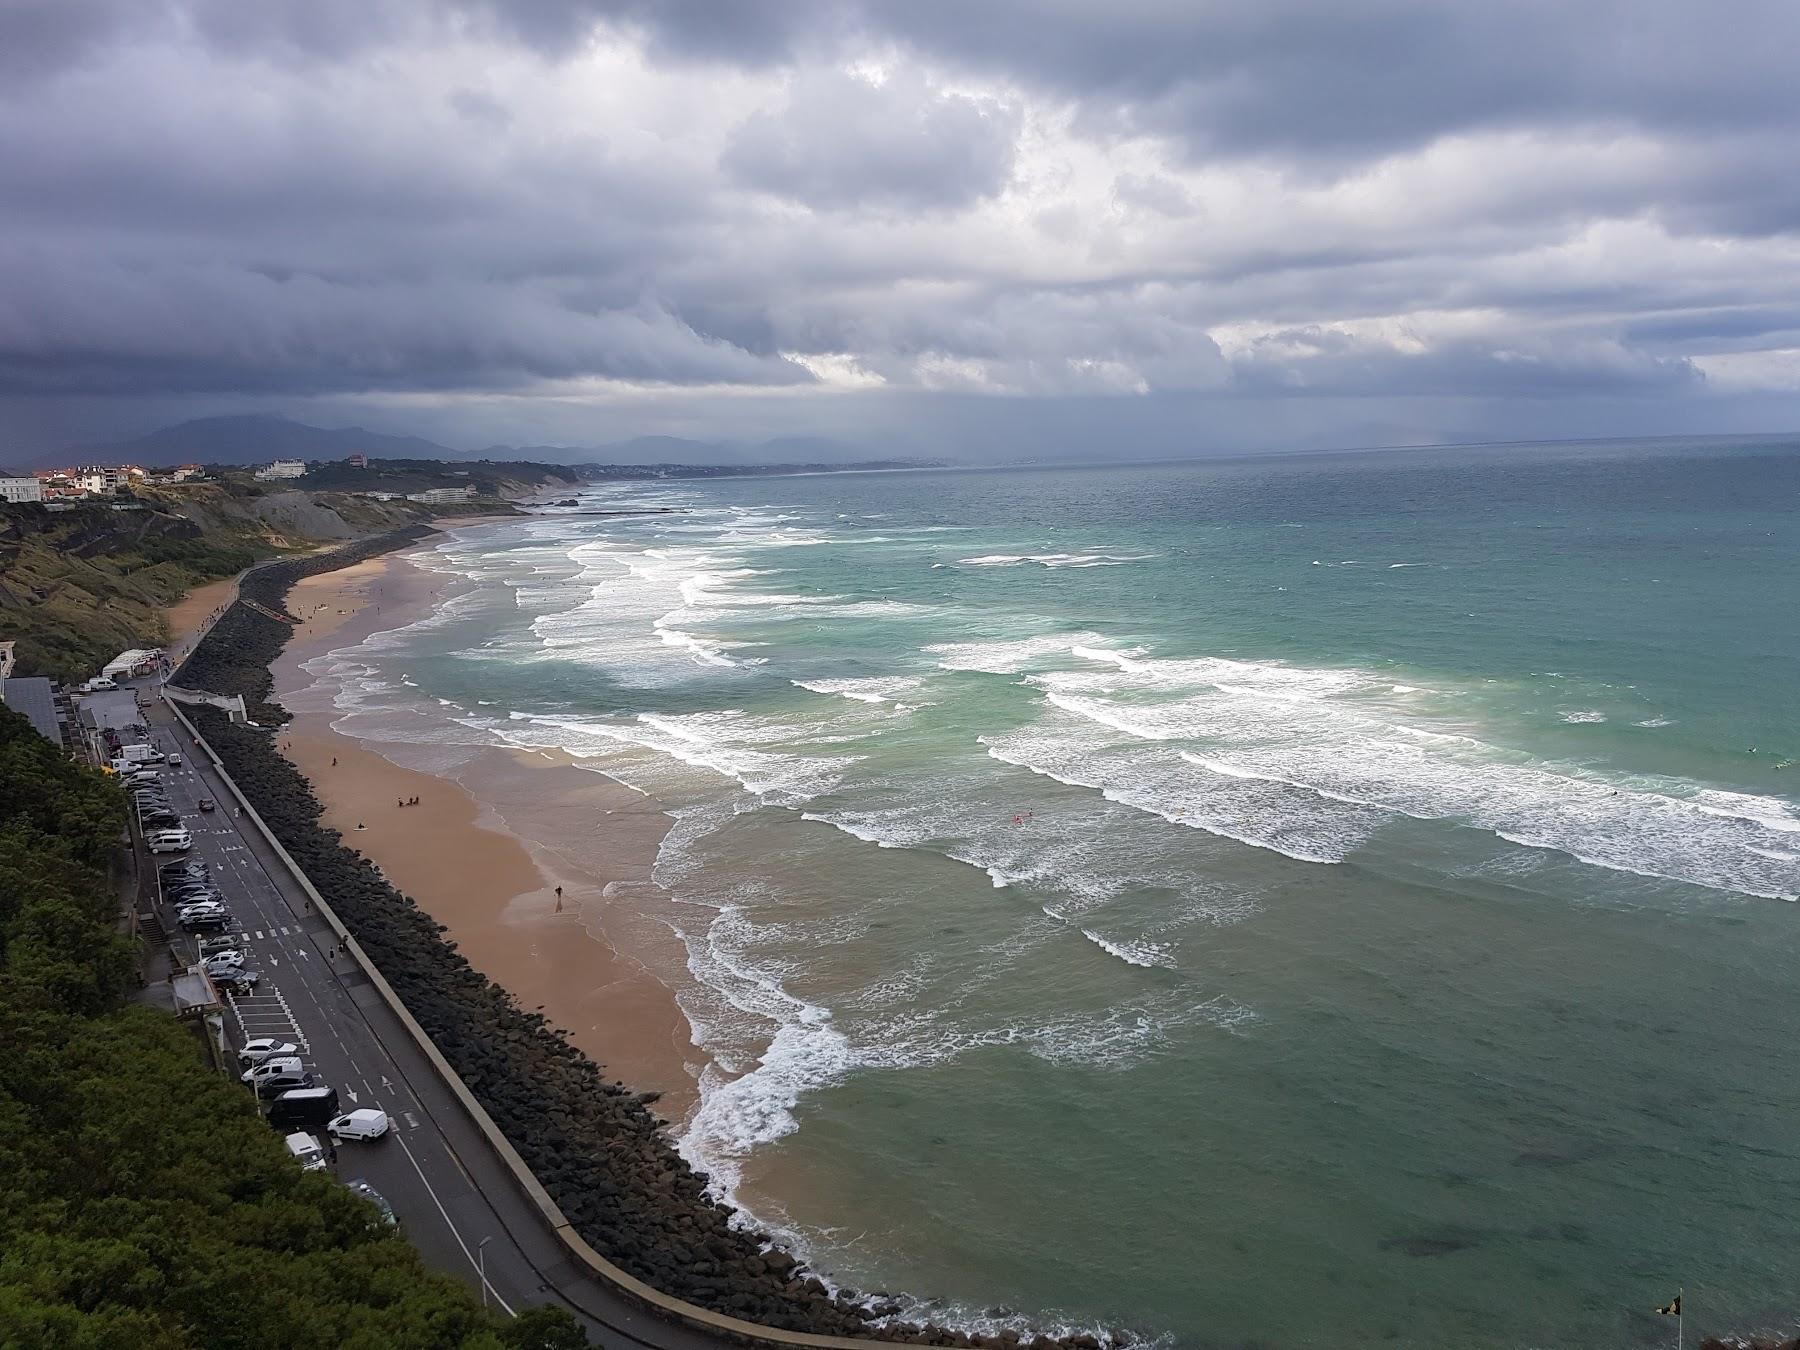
(307, 1152)
(367, 1123)
(170, 841)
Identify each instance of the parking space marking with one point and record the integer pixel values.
(265, 1015)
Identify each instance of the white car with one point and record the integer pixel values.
(265, 1047)
(273, 1068)
(171, 841)
(306, 1151)
(200, 907)
(366, 1123)
(221, 962)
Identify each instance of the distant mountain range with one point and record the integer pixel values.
(258, 439)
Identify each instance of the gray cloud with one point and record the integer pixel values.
(788, 206)
(842, 141)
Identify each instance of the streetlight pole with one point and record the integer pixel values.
(481, 1266)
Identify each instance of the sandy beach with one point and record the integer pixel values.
(469, 855)
(187, 617)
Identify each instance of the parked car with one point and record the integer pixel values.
(174, 758)
(171, 841)
(209, 905)
(273, 1067)
(212, 945)
(364, 1123)
(242, 983)
(191, 890)
(374, 1197)
(307, 1151)
(303, 1108)
(223, 963)
(208, 923)
(265, 1047)
(163, 817)
(276, 1084)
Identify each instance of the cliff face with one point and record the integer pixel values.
(78, 587)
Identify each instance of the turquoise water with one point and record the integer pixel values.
(1325, 900)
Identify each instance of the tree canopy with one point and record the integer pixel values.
(152, 1209)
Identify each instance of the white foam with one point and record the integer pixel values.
(879, 689)
(1054, 560)
(1318, 760)
(1133, 953)
(1008, 656)
(1583, 715)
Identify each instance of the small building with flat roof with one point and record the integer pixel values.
(34, 697)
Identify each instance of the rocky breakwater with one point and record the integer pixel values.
(591, 1142)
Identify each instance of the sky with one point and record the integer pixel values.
(986, 228)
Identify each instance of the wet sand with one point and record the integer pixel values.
(477, 853)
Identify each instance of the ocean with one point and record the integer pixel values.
(1300, 900)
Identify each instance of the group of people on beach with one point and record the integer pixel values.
(409, 801)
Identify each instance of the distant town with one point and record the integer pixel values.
(85, 482)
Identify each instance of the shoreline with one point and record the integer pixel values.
(591, 1142)
(468, 857)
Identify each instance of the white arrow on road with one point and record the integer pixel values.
(350, 1093)
(386, 1086)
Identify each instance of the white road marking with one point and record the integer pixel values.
(452, 1227)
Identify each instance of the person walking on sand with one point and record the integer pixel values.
(559, 899)
(334, 765)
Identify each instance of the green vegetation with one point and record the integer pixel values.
(485, 477)
(142, 1202)
(79, 587)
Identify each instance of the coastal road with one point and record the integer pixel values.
(457, 1203)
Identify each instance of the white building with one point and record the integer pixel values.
(283, 468)
(21, 490)
(439, 496)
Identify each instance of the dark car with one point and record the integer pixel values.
(206, 805)
(375, 1198)
(196, 867)
(208, 923)
(242, 982)
(269, 1088)
(200, 890)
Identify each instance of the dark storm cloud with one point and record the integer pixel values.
(1406, 200)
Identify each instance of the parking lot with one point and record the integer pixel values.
(454, 1198)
